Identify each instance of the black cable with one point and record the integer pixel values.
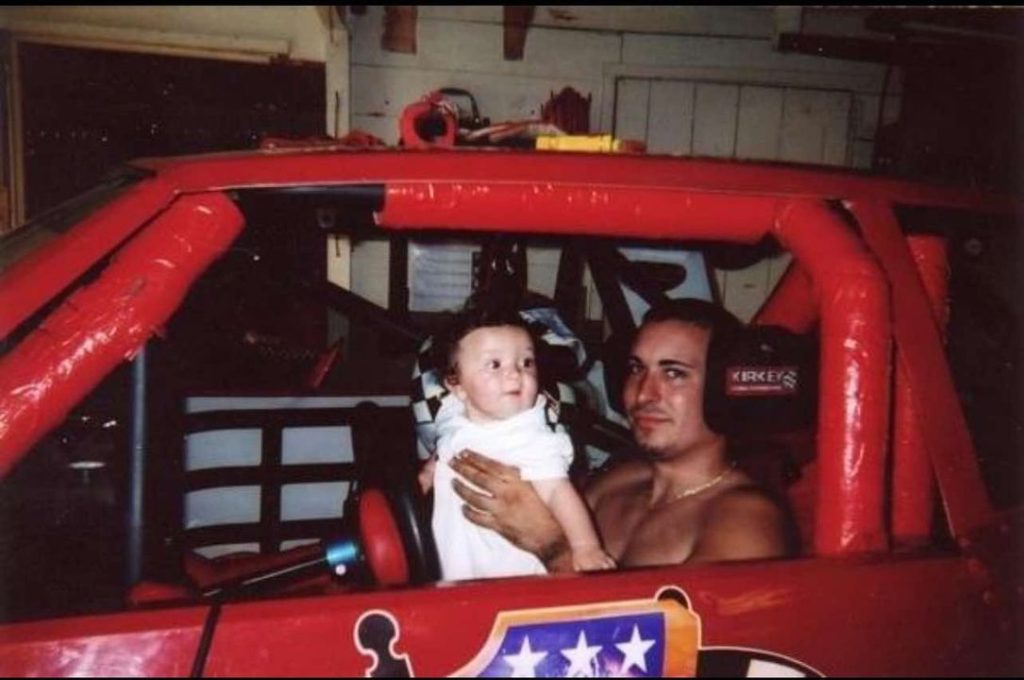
(205, 640)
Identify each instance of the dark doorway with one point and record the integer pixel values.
(62, 538)
(87, 110)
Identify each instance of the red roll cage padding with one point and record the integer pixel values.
(930, 383)
(381, 539)
(913, 484)
(546, 208)
(107, 321)
(793, 304)
(852, 302)
(30, 282)
(917, 264)
(853, 393)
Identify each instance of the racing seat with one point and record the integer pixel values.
(786, 466)
(763, 396)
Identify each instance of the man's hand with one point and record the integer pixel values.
(513, 509)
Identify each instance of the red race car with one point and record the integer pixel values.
(225, 346)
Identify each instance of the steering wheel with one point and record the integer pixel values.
(397, 542)
(393, 540)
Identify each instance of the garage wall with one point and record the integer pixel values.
(465, 53)
(786, 106)
(463, 47)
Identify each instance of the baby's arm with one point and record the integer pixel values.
(568, 508)
(426, 474)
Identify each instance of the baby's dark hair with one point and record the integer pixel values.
(478, 312)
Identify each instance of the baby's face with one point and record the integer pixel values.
(496, 373)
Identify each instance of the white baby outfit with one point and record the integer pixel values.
(525, 441)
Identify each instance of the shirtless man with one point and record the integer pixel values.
(686, 502)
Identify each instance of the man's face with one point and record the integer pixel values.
(664, 388)
(496, 375)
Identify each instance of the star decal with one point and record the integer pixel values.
(581, 658)
(524, 664)
(635, 651)
(592, 642)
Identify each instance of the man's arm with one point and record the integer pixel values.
(513, 509)
(743, 524)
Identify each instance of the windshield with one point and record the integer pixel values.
(18, 244)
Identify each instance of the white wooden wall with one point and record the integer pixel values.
(727, 120)
(462, 47)
(468, 53)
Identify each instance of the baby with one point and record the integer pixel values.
(487, 359)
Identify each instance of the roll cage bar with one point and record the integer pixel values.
(863, 291)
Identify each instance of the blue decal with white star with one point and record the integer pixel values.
(623, 639)
(625, 646)
(657, 637)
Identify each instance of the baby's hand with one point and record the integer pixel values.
(591, 558)
(426, 474)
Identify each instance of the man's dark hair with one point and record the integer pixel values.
(725, 328)
(480, 311)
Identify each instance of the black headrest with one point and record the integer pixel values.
(764, 382)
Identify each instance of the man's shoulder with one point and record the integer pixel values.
(747, 498)
(744, 522)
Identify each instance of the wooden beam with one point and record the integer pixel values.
(902, 52)
(517, 21)
(399, 29)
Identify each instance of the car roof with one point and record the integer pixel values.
(347, 165)
(35, 279)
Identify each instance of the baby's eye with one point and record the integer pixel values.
(528, 362)
(493, 364)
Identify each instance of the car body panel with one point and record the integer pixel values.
(919, 615)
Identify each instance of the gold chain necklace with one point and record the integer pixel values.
(686, 493)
